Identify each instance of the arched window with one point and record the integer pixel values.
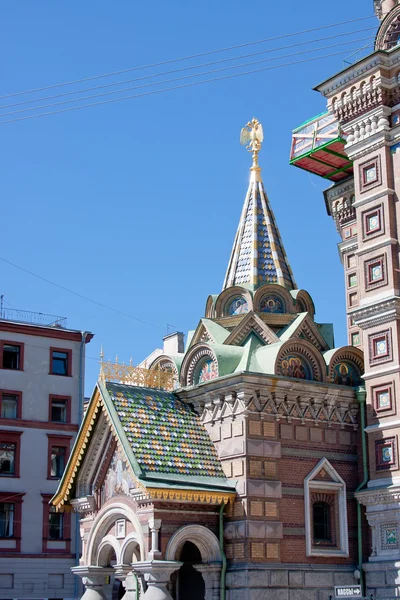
(321, 522)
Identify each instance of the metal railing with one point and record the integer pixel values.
(32, 318)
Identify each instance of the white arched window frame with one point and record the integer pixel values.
(338, 487)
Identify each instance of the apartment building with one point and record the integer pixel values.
(42, 367)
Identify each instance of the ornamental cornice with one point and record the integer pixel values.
(331, 408)
(356, 153)
(377, 314)
(338, 190)
(342, 79)
(374, 497)
(191, 496)
(83, 505)
(379, 59)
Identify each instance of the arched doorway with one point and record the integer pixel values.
(118, 590)
(190, 583)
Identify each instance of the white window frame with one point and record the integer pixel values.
(338, 486)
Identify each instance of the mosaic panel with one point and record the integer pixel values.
(390, 536)
(165, 434)
(296, 366)
(344, 373)
(383, 397)
(238, 306)
(205, 370)
(272, 304)
(386, 454)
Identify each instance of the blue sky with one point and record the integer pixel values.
(136, 203)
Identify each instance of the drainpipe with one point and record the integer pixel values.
(361, 395)
(81, 397)
(222, 585)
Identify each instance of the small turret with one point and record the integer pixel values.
(383, 7)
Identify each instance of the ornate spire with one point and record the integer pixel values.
(258, 256)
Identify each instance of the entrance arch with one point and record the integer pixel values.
(190, 583)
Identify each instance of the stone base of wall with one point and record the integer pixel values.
(37, 578)
(286, 582)
(383, 579)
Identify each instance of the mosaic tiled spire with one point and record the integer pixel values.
(258, 256)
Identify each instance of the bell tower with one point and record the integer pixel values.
(356, 145)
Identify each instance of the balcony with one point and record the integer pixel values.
(32, 318)
(318, 147)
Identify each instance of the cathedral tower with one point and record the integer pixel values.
(363, 113)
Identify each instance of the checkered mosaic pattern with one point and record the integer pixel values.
(165, 434)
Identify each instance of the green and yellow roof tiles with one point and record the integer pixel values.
(164, 434)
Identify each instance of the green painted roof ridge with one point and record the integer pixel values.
(327, 332)
(288, 331)
(138, 471)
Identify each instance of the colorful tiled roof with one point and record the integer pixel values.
(165, 434)
(258, 256)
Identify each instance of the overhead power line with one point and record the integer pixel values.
(177, 87)
(185, 77)
(189, 68)
(188, 57)
(65, 289)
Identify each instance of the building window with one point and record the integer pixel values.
(58, 455)
(56, 524)
(60, 409)
(353, 299)
(11, 355)
(352, 280)
(321, 522)
(56, 528)
(351, 261)
(386, 454)
(325, 507)
(57, 461)
(9, 453)
(60, 361)
(7, 510)
(10, 404)
(7, 458)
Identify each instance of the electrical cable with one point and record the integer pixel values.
(189, 57)
(168, 89)
(170, 72)
(62, 287)
(184, 77)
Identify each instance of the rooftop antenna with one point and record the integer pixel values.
(1, 305)
(171, 328)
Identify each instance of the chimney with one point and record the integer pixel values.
(173, 343)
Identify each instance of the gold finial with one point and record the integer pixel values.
(252, 137)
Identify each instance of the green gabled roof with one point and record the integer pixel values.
(286, 333)
(189, 338)
(248, 362)
(164, 435)
(218, 332)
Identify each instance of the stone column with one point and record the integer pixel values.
(156, 574)
(212, 578)
(154, 526)
(129, 580)
(94, 579)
